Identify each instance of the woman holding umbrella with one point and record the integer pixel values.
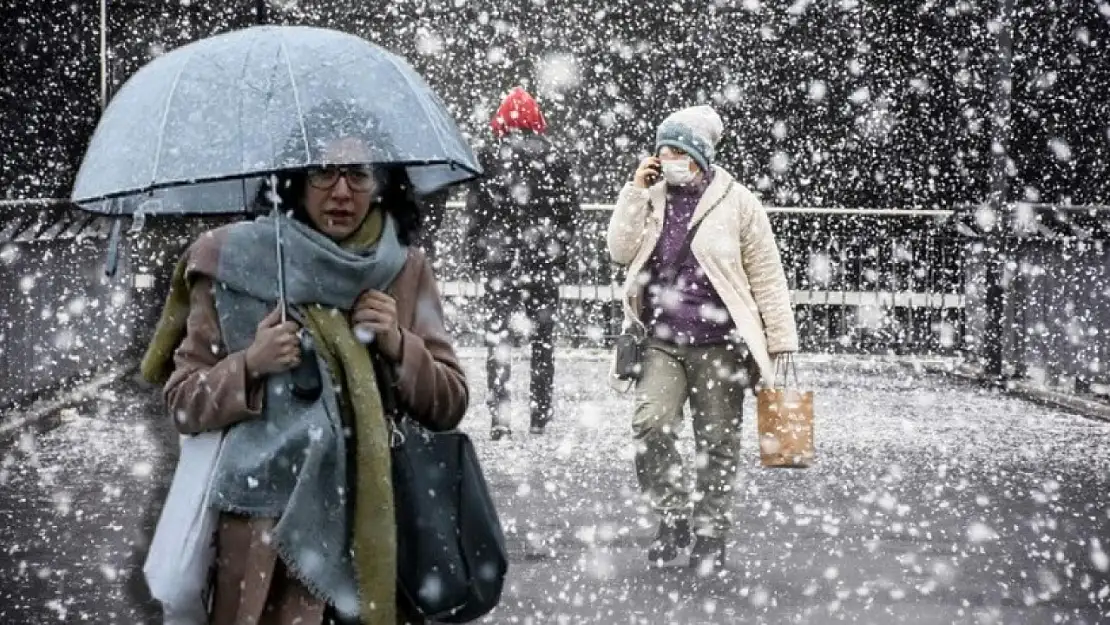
(281, 359)
(306, 526)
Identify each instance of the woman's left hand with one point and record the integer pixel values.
(377, 312)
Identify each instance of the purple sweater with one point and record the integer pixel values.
(691, 312)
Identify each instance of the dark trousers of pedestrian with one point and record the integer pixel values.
(539, 302)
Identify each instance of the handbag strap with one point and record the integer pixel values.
(387, 384)
(685, 251)
(387, 390)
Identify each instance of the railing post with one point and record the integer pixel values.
(103, 54)
(998, 246)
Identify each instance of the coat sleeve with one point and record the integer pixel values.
(567, 213)
(430, 380)
(209, 389)
(628, 223)
(480, 211)
(763, 265)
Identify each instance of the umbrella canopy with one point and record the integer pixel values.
(196, 129)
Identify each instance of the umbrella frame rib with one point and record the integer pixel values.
(296, 93)
(423, 104)
(131, 193)
(166, 115)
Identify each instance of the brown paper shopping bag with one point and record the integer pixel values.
(785, 421)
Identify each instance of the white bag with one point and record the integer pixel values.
(183, 548)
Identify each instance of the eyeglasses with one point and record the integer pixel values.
(359, 178)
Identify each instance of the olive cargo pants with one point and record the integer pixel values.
(713, 378)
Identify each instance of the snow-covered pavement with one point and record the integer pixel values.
(931, 502)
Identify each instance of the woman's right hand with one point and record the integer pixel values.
(648, 172)
(276, 346)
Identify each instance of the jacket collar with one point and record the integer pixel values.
(713, 193)
(658, 196)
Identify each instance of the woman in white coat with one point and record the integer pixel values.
(716, 316)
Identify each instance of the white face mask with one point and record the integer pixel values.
(677, 172)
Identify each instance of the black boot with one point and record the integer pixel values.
(708, 555)
(499, 421)
(672, 536)
(539, 421)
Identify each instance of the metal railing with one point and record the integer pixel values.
(860, 279)
(1038, 301)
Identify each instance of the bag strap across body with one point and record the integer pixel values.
(633, 340)
(684, 253)
(671, 273)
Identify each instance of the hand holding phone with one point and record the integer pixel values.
(648, 173)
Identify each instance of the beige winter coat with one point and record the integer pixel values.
(736, 249)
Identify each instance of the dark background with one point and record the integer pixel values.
(847, 103)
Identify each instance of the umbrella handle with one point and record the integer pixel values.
(278, 247)
(280, 265)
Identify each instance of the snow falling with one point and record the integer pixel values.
(978, 505)
(937, 177)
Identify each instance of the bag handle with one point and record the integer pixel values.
(387, 390)
(387, 384)
(789, 366)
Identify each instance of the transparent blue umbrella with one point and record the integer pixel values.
(197, 129)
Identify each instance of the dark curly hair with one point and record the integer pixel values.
(307, 144)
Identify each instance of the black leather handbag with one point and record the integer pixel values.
(451, 557)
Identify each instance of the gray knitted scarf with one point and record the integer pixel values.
(292, 463)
